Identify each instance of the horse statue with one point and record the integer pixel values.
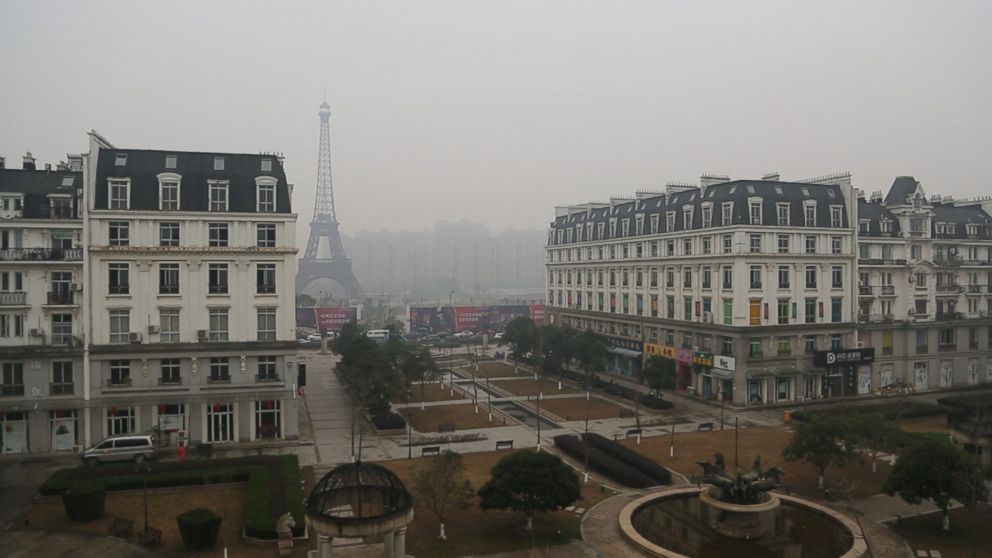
(284, 528)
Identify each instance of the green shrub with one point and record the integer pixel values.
(199, 528)
(84, 501)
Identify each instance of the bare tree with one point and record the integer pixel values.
(441, 485)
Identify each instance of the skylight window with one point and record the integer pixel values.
(120, 160)
(170, 161)
(750, 189)
(733, 189)
(67, 181)
(218, 163)
(778, 190)
(831, 193)
(266, 165)
(805, 191)
(709, 193)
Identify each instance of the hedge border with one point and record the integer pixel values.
(629, 457)
(602, 462)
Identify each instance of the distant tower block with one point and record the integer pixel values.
(324, 263)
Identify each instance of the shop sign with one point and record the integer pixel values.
(724, 362)
(850, 356)
(621, 343)
(663, 351)
(684, 356)
(703, 359)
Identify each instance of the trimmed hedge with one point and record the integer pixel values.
(273, 485)
(199, 528)
(644, 465)
(653, 402)
(84, 501)
(601, 462)
(906, 410)
(389, 421)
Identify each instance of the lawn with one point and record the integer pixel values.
(969, 530)
(472, 531)
(925, 424)
(532, 387)
(463, 416)
(574, 408)
(433, 392)
(496, 370)
(163, 505)
(691, 447)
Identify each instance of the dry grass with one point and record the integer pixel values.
(574, 408)
(164, 505)
(472, 531)
(432, 392)
(496, 370)
(855, 478)
(463, 416)
(532, 387)
(925, 424)
(969, 531)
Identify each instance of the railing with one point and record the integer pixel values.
(60, 297)
(62, 339)
(61, 388)
(11, 390)
(266, 378)
(42, 254)
(170, 381)
(119, 382)
(950, 289)
(979, 288)
(949, 316)
(13, 299)
(888, 290)
(226, 379)
(866, 291)
(62, 213)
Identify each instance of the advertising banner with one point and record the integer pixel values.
(538, 313)
(478, 319)
(306, 317)
(432, 319)
(663, 351)
(334, 318)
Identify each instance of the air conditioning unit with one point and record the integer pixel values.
(37, 333)
(152, 329)
(134, 337)
(77, 341)
(77, 287)
(201, 334)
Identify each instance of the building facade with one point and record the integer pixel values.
(758, 288)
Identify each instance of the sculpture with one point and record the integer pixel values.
(743, 488)
(284, 528)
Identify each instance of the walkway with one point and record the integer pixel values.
(30, 544)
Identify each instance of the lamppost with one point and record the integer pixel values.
(146, 469)
(585, 439)
(671, 447)
(539, 395)
(737, 432)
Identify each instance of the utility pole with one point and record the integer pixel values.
(539, 394)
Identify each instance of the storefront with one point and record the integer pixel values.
(702, 364)
(624, 356)
(268, 419)
(171, 421)
(842, 366)
(14, 432)
(220, 424)
(722, 373)
(64, 426)
(683, 375)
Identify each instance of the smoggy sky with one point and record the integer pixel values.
(497, 111)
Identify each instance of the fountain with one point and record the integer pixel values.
(737, 515)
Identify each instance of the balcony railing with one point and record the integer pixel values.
(167, 381)
(61, 388)
(949, 289)
(11, 390)
(63, 297)
(866, 291)
(62, 213)
(63, 339)
(950, 316)
(119, 382)
(225, 379)
(888, 290)
(266, 378)
(979, 288)
(42, 254)
(13, 299)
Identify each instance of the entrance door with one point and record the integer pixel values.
(63, 434)
(15, 434)
(220, 423)
(864, 382)
(885, 376)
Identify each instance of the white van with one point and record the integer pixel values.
(378, 334)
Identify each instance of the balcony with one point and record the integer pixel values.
(60, 298)
(64, 340)
(866, 291)
(225, 379)
(167, 381)
(950, 316)
(42, 254)
(13, 299)
(11, 390)
(979, 289)
(119, 382)
(61, 388)
(62, 212)
(888, 290)
(267, 378)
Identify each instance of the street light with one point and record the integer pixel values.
(145, 468)
(539, 395)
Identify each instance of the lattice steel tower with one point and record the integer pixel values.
(332, 263)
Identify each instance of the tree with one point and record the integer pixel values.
(305, 301)
(558, 347)
(874, 434)
(820, 442)
(530, 482)
(521, 335)
(933, 469)
(658, 373)
(590, 351)
(440, 484)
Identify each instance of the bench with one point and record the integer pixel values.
(430, 450)
(152, 538)
(705, 427)
(446, 427)
(633, 432)
(121, 527)
(504, 444)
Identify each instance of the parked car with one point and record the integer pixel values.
(464, 334)
(313, 337)
(122, 448)
(498, 335)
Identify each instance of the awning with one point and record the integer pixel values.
(722, 374)
(624, 352)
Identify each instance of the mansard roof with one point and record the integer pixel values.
(875, 212)
(143, 166)
(37, 185)
(902, 188)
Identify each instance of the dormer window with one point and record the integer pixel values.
(639, 221)
(809, 212)
(755, 212)
(863, 226)
(569, 235)
(669, 221)
(836, 216)
(218, 195)
(266, 194)
(727, 213)
(600, 230)
(707, 216)
(885, 225)
(625, 227)
(120, 160)
(119, 194)
(170, 161)
(67, 181)
(782, 210)
(687, 217)
(613, 227)
(654, 223)
(168, 192)
(266, 165)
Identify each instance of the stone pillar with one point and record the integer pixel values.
(401, 542)
(324, 546)
(387, 542)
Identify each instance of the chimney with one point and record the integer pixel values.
(29, 162)
(3, 162)
(709, 179)
(48, 167)
(771, 176)
(75, 162)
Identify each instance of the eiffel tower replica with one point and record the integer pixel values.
(335, 266)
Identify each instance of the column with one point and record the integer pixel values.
(400, 542)
(324, 546)
(388, 546)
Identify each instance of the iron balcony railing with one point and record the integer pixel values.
(63, 297)
(42, 254)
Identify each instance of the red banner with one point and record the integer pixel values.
(538, 313)
(333, 319)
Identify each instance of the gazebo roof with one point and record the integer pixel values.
(356, 493)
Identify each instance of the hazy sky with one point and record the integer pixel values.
(497, 111)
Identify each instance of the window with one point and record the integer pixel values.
(218, 324)
(707, 278)
(687, 246)
(266, 165)
(728, 243)
(218, 196)
(707, 245)
(835, 245)
(120, 373)
(168, 195)
(120, 233)
(117, 276)
(811, 277)
(811, 310)
(727, 214)
(810, 244)
(170, 372)
(168, 234)
(783, 214)
(217, 234)
(707, 216)
(267, 369)
(669, 278)
(755, 243)
(687, 217)
(809, 343)
(946, 339)
(120, 421)
(217, 277)
(835, 216)
(837, 277)
(62, 381)
(670, 221)
(754, 346)
(755, 276)
(670, 247)
(11, 325)
(810, 215)
(168, 320)
(61, 329)
(783, 244)
(13, 379)
(784, 344)
(836, 309)
(119, 194)
(120, 159)
(220, 370)
(267, 198)
(168, 278)
(863, 252)
(783, 276)
(836, 342)
(921, 342)
(728, 311)
(218, 163)
(972, 338)
(120, 325)
(266, 235)
(887, 251)
(728, 278)
(267, 324)
(755, 212)
(783, 311)
(170, 161)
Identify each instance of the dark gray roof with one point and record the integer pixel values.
(875, 212)
(960, 216)
(36, 185)
(144, 166)
(737, 191)
(902, 186)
